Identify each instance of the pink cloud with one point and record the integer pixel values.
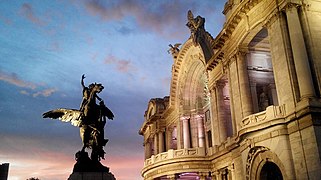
(16, 81)
(55, 46)
(166, 81)
(122, 65)
(28, 12)
(5, 20)
(45, 93)
(160, 19)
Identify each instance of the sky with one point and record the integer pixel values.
(46, 46)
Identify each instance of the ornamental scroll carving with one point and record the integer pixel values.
(251, 156)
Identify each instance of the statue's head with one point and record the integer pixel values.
(96, 87)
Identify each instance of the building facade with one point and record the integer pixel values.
(245, 104)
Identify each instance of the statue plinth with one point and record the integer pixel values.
(91, 176)
(88, 169)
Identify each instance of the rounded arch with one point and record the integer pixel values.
(270, 171)
(192, 87)
(250, 34)
(188, 77)
(261, 161)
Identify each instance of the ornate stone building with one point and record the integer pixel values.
(245, 104)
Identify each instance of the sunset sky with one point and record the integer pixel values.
(45, 47)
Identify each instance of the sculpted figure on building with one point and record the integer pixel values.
(196, 25)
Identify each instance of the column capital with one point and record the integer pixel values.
(290, 6)
(202, 175)
(272, 18)
(161, 130)
(171, 176)
(219, 84)
(242, 51)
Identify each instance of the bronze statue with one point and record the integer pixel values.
(90, 118)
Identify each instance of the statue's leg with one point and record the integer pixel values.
(84, 134)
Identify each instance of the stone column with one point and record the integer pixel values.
(233, 91)
(232, 171)
(254, 97)
(179, 134)
(186, 133)
(214, 120)
(161, 141)
(216, 175)
(171, 177)
(155, 144)
(299, 51)
(219, 85)
(168, 140)
(200, 131)
(202, 176)
(147, 150)
(274, 94)
(245, 92)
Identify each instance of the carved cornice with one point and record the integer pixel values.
(228, 6)
(228, 29)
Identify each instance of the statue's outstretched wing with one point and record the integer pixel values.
(107, 112)
(65, 115)
(177, 45)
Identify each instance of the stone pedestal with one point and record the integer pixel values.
(91, 176)
(88, 169)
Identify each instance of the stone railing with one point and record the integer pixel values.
(271, 113)
(173, 154)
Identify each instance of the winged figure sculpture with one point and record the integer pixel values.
(90, 118)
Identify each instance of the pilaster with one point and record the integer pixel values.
(245, 93)
(299, 51)
(220, 110)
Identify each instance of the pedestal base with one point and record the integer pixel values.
(91, 176)
(88, 169)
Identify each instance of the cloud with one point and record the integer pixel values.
(166, 81)
(162, 17)
(45, 93)
(28, 157)
(54, 46)
(7, 21)
(13, 79)
(123, 66)
(28, 12)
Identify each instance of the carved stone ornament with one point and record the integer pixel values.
(196, 25)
